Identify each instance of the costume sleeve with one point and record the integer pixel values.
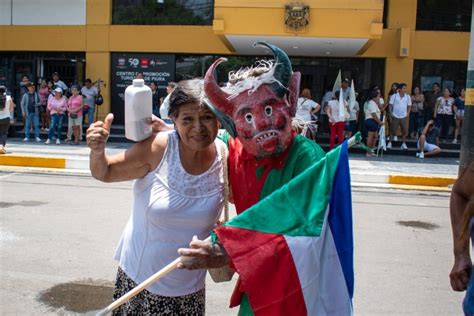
(308, 153)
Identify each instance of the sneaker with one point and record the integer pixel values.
(455, 141)
(38, 140)
(389, 145)
(48, 141)
(58, 141)
(404, 146)
(46, 129)
(417, 155)
(67, 139)
(395, 138)
(421, 156)
(26, 139)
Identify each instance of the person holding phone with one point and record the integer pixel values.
(428, 143)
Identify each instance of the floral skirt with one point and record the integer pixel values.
(147, 303)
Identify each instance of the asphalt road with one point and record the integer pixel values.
(58, 234)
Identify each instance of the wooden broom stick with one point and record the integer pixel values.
(140, 287)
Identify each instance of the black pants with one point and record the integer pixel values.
(4, 125)
(444, 121)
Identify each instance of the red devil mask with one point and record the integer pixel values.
(262, 113)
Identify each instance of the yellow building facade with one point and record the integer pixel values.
(336, 28)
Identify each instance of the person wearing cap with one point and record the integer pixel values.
(57, 107)
(178, 193)
(31, 109)
(59, 83)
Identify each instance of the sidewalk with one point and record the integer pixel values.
(400, 172)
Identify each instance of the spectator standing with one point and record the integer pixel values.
(59, 83)
(25, 80)
(44, 94)
(430, 101)
(399, 107)
(459, 113)
(57, 106)
(7, 107)
(89, 92)
(324, 103)
(428, 143)
(31, 109)
(336, 123)
(165, 105)
(444, 113)
(306, 110)
(351, 123)
(155, 98)
(372, 120)
(346, 91)
(75, 105)
(417, 113)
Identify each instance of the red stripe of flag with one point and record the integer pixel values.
(267, 271)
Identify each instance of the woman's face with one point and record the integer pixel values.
(58, 95)
(446, 93)
(43, 83)
(50, 84)
(197, 126)
(417, 90)
(463, 93)
(153, 86)
(75, 91)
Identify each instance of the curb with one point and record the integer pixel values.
(405, 181)
(44, 162)
(421, 180)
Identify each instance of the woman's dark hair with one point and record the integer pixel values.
(186, 92)
(337, 94)
(88, 81)
(373, 94)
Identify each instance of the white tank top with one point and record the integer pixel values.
(170, 206)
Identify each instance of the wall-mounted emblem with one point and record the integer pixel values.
(296, 16)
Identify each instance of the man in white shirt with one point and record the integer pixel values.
(59, 83)
(400, 107)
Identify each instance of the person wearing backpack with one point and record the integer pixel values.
(31, 110)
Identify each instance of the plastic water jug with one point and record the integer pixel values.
(138, 109)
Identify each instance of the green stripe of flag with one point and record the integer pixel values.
(298, 207)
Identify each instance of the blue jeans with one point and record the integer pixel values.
(56, 122)
(29, 118)
(90, 115)
(468, 303)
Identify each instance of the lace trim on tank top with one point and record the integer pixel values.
(173, 175)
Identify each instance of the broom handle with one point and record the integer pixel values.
(140, 287)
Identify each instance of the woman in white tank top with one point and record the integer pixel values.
(178, 193)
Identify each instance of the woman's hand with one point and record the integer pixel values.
(158, 125)
(98, 133)
(202, 255)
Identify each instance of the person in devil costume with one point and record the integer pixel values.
(256, 108)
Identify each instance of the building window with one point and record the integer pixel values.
(163, 12)
(442, 15)
(449, 74)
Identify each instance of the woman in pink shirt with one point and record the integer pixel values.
(75, 105)
(43, 94)
(57, 107)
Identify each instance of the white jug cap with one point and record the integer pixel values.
(138, 82)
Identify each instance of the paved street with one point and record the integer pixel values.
(58, 230)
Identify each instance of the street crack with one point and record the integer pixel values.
(21, 203)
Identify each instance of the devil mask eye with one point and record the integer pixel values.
(249, 118)
(268, 110)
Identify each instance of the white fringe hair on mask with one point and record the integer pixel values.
(251, 78)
